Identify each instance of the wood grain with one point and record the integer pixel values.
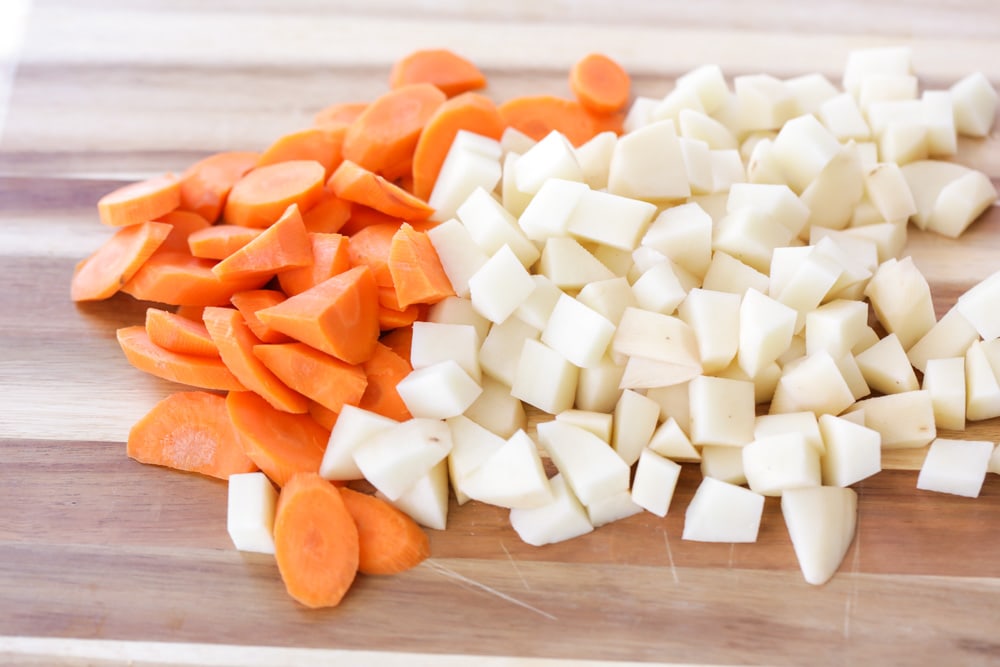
(136, 560)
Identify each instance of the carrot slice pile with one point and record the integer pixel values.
(193, 370)
(265, 193)
(600, 84)
(220, 241)
(103, 273)
(389, 541)
(445, 69)
(179, 334)
(140, 202)
(205, 185)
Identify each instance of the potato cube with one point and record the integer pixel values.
(955, 466)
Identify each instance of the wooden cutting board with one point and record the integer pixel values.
(103, 560)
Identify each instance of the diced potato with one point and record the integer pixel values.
(853, 451)
(670, 440)
(443, 389)
(723, 463)
(426, 501)
(886, 368)
(821, 522)
(722, 411)
(497, 410)
(459, 254)
(635, 420)
(355, 426)
(955, 466)
(816, 384)
(592, 468)
(775, 463)
(471, 444)
(550, 209)
(511, 476)
(250, 515)
(647, 164)
(577, 332)
(904, 420)
(394, 459)
(901, 299)
(803, 423)
(599, 387)
(433, 342)
(552, 157)
(544, 378)
(974, 103)
(598, 423)
(722, 512)
(500, 285)
(944, 379)
(569, 265)
(655, 480)
(714, 318)
(562, 519)
(501, 348)
(492, 227)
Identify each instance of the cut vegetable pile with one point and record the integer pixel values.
(715, 277)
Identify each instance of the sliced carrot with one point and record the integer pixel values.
(383, 137)
(399, 340)
(339, 113)
(236, 342)
(416, 270)
(324, 416)
(249, 302)
(322, 144)
(265, 193)
(328, 215)
(384, 370)
(445, 69)
(279, 443)
(190, 312)
(190, 369)
(178, 278)
(354, 183)
(365, 216)
(600, 84)
(141, 201)
(120, 257)
(339, 316)
(612, 122)
(323, 378)
(389, 541)
(205, 185)
(315, 542)
(220, 241)
(190, 431)
(183, 224)
(330, 257)
(538, 115)
(284, 245)
(370, 247)
(179, 334)
(392, 318)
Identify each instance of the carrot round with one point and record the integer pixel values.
(283, 245)
(416, 270)
(339, 113)
(190, 431)
(249, 302)
(389, 541)
(141, 201)
(206, 183)
(190, 369)
(600, 84)
(354, 183)
(447, 70)
(315, 541)
(120, 257)
(322, 144)
(179, 334)
(220, 241)
(179, 278)
(328, 215)
(182, 225)
(537, 115)
(265, 193)
(330, 257)
(323, 378)
(384, 370)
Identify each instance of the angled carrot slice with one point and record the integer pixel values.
(283, 245)
(330, 257)
(206, 183)
(600, 84)
(324, 416)
(384, 370)
(140, 202)
(399, 340)
(104, 272)
(179, 334)
(416, 270)
(322, 144)
(178, 278)
(279, 443)
(328, 215)
(183, 224)
(325, 379)
(249, 302)
(537, 115)
(190, 369)
(339, 113)
(235, 342)
(392, 318)
(190, 431)
(389, 541)
(190, 312)
(356, 184)
(445, 69)
(265, 193)
(365, 216)
(370, 247)
(220, 241)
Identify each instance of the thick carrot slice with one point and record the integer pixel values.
(600, 84)
(370, 247)
(283, 245)
(357, 184)
(445, 69)
(389, 541)
(206, 183)
(249, 302)
(328, 215)
(322, 144)
(279, 443)
(384, 370)
(315, 542)
(468, 111)
(178, 278)
(339, 113)
(339, 316)
(191, 431)
(384, 135)
(179, 334)
(537, 115)
(416, 270)
(190, 369)
(324, 416)
(183, 224)
(265, 193)
(330, 257)
(191, 312)
(365, 216)
(220, 241)
(399, 340)
(392, 318)
(325, 379)
(103, 273)
(141, 201)
(236, 342)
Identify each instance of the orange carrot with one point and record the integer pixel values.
(383, 137)
(370, 247)
(445, 69)
(140, 202)
(283, 245)
(206, 183)
(324, 417)
(249, 302)
(179, 278)
(220, 241)
(330, 257)
(416, 270)
(339, 316)
(191, 431)
(389, 541)
(468, 111)
(322, 144)
(236, 341)
(537, 115)
(384, 370)
(365, 216)
(600, 84)
(265, 193)
(315, 542)
(339, 113)
(183, 224)
(279, 443)
(328, 215)
(612, 122)
(399, 340)
(179, 334)
(190, 312)
(113, 264)
(357, 184)
(325, 379)
(190, 369)
(393, 318)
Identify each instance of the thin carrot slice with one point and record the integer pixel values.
(365, 216)
(179, 334)
(445, 69)
(339, 113)
(220, 241)
(382, 139)
(469, 111)
(205, 185)
(370, 247)
(190, 369)
(389, 541)
(416, 270)
(357, 184)
(328, 215)
(384, 370)
(140, 202)
(190, 431)
(235, 342)
(600, 84)
(322, 144)
(339, 316)
(113, 264)
(315, 542)
(399, 340)
(279, 443)
(265, 193)
(178, 278)
(324, 416)
(283, 245)
(538, 115)
(323, 378)
(330, 257)
(392, 318)
(249, 302)
(183, 224)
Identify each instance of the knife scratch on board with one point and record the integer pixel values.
(852, 594)
(513, 564)
(462, 579)
(670, 557)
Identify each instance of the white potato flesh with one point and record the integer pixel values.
(609, 297)
(982, 387)
(766, 327)
(777, 201)
(886, 367)
(960, 202)
(594, 158)
(675, 402)
(675, 101)
(835, 192)
(802, 150)
(810, 91)
(394, 459)
(589, 220)
(655, 480)
(251, 500)
(659, 289)
(888, 190)
(514, 140)
(728, 274)
(723, 463)
(978, 306)
(821, 523)
(591, 467)
(512, 476)
(569, 265)
(599, 387)
(714, 318)
(500, 286)
(612, 508)
(749, 235)
(803, 423)
(580, 334)
(942, 137)
(537, 308)
(723, 512)
(443, 389)
(544, 378)
(816, 384)
(695, 124)
(433, 342)
(957, 467)
(853, 451)
(880, 87)
(600, 424)
(647, 164)
(635, 420)
(552, 157)
(764, 383)
(775, 463)
(904, 420)
(426, 501)
(765, 103)
(944, 379)
(708, 83)
(640, 113)
(698, 163)
(471, 444)
(722, 411)
(889, 238)
(670, 440)
(862, 63)
(562, 519)
(459, 254)
(492, 227)
(843, 117)
(974, 104)
(512, 199)
(459, 310)
(501, 348)
(550, 209)
(901, 299)
(836, 326)
(497, 410)
(683, 234)
(463, 171)
(355, 426)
